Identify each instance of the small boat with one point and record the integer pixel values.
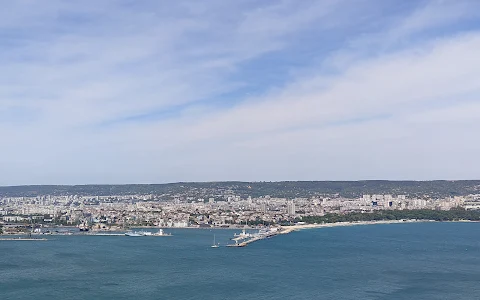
(214, 245)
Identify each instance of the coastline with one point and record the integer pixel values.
(284, 229)
(343, 224)
(292, 228)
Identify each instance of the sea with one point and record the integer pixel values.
(388, 261)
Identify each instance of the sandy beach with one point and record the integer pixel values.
(291, 228)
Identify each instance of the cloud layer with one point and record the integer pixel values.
(133, 92)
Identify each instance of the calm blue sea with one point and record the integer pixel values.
(398, 261)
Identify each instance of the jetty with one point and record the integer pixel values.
(246, 242)
(243, 239)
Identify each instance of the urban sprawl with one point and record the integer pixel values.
(224, 210)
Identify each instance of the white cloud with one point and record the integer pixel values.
(72, 101)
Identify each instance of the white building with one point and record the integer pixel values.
(291, 208)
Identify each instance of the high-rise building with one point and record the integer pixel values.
(291, 208)
(263, 207)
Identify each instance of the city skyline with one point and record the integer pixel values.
(123, 92)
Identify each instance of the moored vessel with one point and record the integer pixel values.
(161, 233)
(214, 245)
(133, 233)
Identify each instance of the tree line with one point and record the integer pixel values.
(384, 215)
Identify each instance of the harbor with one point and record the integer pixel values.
(238, 240)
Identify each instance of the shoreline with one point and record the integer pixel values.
(298, 227)
(285, 229)
(293, 228)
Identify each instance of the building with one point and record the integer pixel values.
(291, 208)
(263, 207)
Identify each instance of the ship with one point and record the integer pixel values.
(144, 233)
(133, 233)
(147, 233)
(161, 233)
(267, 231)
(242, 235)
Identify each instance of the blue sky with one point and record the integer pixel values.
(165, 91)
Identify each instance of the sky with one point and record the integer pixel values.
(126, 91)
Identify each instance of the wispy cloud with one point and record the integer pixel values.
(151, 91)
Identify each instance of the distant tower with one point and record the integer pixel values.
(291, 208)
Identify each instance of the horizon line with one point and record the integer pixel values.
(240, 181)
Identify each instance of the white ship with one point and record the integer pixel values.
(147, 233)
(132, 233)
(267, 231)
(161, 233)
(242, 235)
(144, 233)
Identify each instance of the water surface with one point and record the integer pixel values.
(395, 261)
